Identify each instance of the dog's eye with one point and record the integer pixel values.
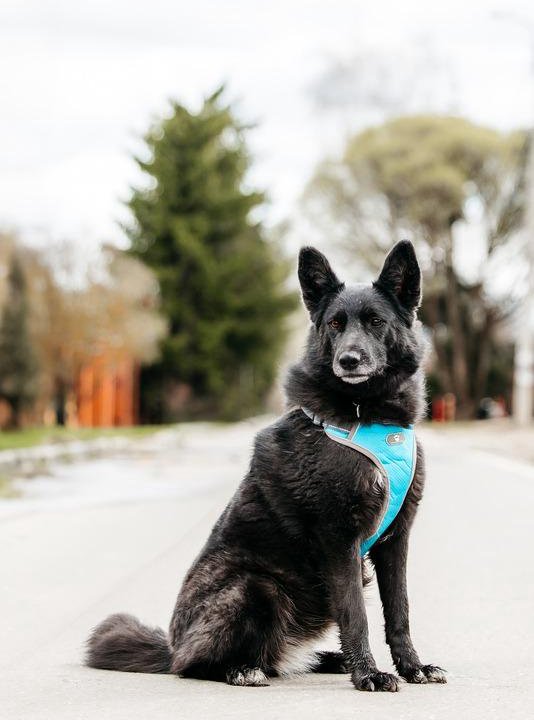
(376, 321)
(335, 324)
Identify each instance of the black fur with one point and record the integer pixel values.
(121, 640)
(282, 563)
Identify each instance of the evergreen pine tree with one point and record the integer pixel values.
(18, 364)
(222, 285)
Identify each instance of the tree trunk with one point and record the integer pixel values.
(15, 418)
(60, 400)
(459, 365)
(434, 320)
(483, 360)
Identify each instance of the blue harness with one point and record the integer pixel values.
(392, 449)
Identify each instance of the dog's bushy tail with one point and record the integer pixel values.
(121, 642)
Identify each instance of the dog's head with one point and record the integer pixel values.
(365, 332)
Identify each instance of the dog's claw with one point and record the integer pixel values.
(434, 674)
(425, 674)
(247, 677)
(417, 676)
(376, 682)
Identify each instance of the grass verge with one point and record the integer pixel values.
(30, 437)
(6, 488)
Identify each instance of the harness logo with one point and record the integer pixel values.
(395, 438)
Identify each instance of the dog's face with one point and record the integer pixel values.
(364, 330)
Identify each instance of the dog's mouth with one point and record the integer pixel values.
(353, 378)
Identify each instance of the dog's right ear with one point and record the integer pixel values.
(317, 279)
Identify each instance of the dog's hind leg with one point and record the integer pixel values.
(228, 637)
(331, 663)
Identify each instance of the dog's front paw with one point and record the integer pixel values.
(376, 681)
(425, 674)
(434, 674)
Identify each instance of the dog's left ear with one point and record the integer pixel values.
(401, 276)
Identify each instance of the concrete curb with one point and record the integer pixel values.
(27, 460)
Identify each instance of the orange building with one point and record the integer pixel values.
(107, 393)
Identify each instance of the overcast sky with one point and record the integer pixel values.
(80, 82)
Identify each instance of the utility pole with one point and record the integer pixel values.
(523, 394)
(523, 401)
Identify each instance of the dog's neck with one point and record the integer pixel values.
(400, 400)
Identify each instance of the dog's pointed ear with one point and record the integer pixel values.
(401, 276)
(317, 279)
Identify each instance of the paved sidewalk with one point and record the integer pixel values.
(499, 437)
(65, 565)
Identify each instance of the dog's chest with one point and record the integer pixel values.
(384, 458)
(355, 472)
(356, 491)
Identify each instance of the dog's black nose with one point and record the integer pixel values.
(349, 360)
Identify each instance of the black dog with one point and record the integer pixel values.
(282, 563)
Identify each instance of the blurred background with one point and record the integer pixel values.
(162, 163)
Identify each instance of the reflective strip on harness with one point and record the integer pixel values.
(392, 448)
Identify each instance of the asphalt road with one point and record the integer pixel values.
(101, 536)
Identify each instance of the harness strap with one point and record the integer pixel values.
(392, 449)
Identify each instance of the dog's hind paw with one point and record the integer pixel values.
(246, 677)
(376, 682)
(331, 663)
(425, 674)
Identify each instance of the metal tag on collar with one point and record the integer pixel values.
(357, 406)
(316, 420)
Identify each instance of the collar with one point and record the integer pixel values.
(317, 420)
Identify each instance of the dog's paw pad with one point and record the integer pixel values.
(376, 682)
(434, 674)
(247, 677)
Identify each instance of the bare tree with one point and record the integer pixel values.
(78, 312)
(419, 177)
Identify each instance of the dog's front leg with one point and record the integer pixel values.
(349, 612)
(389, 559)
